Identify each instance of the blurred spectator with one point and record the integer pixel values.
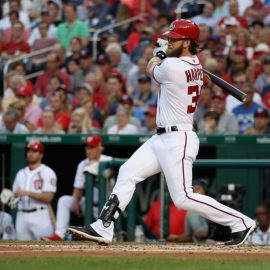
(221, 9)
(36, 32)
(42, 42)
(76, 202)
(35, 185)
(7, 230)
(75, 50)
(7, 33)
(93, 115)
(49, 124)
(11, 125)
(54, 12)
(19, 107)
(238, 59)
(53, 62)
(196, 227)
(207, 17)
(134, 74)
(17, 45)
(234, 12)
(261, 123)
(83, 93)
(176, 219)
(257, 11)
(245, 112)
(239, 79)
(98, 14)
(123, 126)
(75, 73)
(227, 121)
(72, 27)
(61, 117)
(150, 121)
(143, 97)
(87, 64)
(204, 102)
(79, 122)
(114, 93)
(15, 5)
(264, 78)
(135, 35)
(205, 34)
(210, 124)
(32, 111)
(127, 103)
(114, 53)
(261, 235)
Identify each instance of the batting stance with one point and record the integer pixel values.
(175, 146)
(35, 185)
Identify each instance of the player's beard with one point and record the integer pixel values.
(176, 52)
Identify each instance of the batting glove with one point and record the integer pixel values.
(160, 49)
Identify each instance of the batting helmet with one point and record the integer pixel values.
(183, 29)
(36, 146)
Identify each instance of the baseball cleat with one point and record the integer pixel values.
(88, 233)
(238, 238)
(54, 237)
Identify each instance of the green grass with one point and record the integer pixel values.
(122, 263)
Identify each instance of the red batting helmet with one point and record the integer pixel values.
(183, 29)
(36, 146)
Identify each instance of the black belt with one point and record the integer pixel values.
(161, 130)
(32, 210)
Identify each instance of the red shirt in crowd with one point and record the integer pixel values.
(11, 47)
(176, 219)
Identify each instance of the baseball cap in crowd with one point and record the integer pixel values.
(94, 141)
(241, 50)
(152, 111)
(266, 100)
(200, 182)
(25, 91)
(219, 96)
(144, 78)
(126, 100)
(36, 145)
(87, 87)
(261, 48)
(261, 112)
(85, 54)
(266, 60)
(231, 21)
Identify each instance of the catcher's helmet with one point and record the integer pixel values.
(36, 146)
(183, 29)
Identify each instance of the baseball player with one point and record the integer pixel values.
(7, 231)
(35, 185)
(76, 202)
(174, 148)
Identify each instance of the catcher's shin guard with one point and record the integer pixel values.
(108, 213)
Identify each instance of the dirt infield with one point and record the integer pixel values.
(167, 250)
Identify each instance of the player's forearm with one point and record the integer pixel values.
(151, 64)
(44, 197)
(77, 194)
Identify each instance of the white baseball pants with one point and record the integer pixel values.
(174, 153)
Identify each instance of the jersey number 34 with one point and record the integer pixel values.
(191, 90)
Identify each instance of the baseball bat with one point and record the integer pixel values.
(232, 90)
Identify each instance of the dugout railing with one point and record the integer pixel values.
(164, 197)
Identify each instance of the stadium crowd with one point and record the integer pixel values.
(71, 89)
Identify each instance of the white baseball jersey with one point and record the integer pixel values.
(41, 179)
(180, 82)
(79, 181)
(37, 223)
(7, 231)
(174, 150)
